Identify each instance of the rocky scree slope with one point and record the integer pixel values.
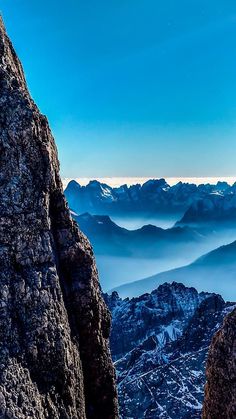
(54, 325)
(159, 343)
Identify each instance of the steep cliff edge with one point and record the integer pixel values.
(54, 326)
(220, 389)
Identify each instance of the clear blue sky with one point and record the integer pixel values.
(133, 87)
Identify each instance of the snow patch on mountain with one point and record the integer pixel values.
(159, 342)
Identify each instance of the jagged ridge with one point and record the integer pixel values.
(160, 342)
(155, 197)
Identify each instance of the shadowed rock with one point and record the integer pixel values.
(220, 389)
(54, 325)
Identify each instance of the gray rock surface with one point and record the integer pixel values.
(54, 325)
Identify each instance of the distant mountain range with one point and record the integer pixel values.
(214, 271)
(216, 209)
(147, 242)
(159, 343)
(208, 222)
(154, 196)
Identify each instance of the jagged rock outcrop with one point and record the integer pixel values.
(166, 309)
(220, 389)
(54, 325)
(160, 343)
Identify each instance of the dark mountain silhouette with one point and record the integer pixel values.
(148, 241)
(153, 197)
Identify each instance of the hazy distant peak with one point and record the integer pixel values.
(73, 184)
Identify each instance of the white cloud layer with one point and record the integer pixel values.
(118, 181)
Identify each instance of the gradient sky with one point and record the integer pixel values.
(133, 87)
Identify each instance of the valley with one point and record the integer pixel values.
(166, 261)
(136, 250)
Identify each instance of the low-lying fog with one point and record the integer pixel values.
(133, 222)
(117, 270)
(209, 278)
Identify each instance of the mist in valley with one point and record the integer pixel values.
(134, 221)
(116, 270)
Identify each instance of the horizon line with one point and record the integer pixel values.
(116, 181)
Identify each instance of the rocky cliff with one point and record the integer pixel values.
(220, 390)
(54, 326)
(160, 343)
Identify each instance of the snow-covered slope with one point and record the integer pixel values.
(159, 342)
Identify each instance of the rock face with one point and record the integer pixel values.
(168, 308)
(220, 390)
(54, 325)
(159, 343)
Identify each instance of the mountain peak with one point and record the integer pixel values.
(73, 184)
(160, 183)
(96, 184)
